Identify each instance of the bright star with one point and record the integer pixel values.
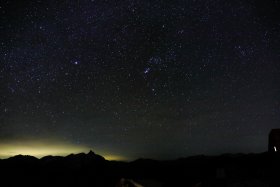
(147, 70)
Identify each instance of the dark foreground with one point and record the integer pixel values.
(93, 170)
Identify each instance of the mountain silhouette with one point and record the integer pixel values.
(93, 170)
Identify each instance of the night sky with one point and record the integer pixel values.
(138, 78)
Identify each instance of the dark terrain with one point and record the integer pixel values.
(93, 170)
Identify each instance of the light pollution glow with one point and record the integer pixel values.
(43, 148)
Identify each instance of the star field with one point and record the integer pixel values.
(139, 78)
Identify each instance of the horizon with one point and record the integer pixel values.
(43, 147)
(108, 157)
(121, 159)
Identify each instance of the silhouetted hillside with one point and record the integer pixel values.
(93, 170)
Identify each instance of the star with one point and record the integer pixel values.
(147, 70)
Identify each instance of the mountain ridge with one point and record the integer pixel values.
(90, 169)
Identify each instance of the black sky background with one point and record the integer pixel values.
(158, 79)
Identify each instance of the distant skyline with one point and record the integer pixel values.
(138, 78)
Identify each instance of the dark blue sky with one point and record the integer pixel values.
(141, 78)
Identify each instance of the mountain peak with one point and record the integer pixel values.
(91, 153)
